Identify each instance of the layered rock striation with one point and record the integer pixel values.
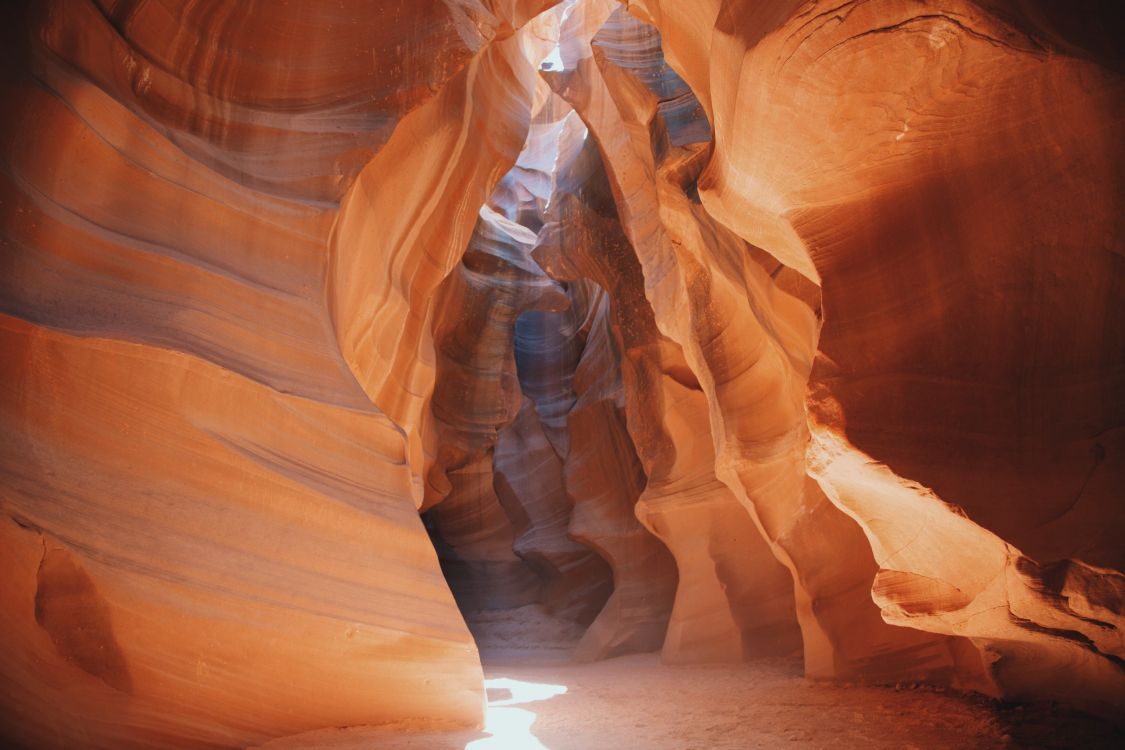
(726, 328)
(926, 167)
(210, 481)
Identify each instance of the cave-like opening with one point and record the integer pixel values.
(548, 530)
(532, 498)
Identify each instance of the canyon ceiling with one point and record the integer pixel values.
(723, 328)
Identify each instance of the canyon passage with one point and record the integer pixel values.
(562, 374)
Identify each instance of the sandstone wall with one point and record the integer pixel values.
(798, 322)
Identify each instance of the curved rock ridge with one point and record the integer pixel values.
(943, 172)
(477, 389)
(498, 317)
(475, 542)
(401, 232)
(217, 576)
(636, 47)
(529, 483)
(489, 433)
(324, 85)
(734, 600)
(210, 516)
(749, 345)
(603, 476)
(605, 473)
(476, 393)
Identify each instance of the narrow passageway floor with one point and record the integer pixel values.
(636, 702)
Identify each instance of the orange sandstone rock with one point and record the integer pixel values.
(728, 327)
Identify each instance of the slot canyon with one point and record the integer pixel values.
(562, 374)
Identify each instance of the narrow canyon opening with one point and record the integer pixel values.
(532, 500)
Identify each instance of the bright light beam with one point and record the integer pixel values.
(510, 728)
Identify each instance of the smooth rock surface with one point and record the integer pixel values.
(728, 328)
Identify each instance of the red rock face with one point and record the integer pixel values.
(210, 527)
(925, 169)
(725, 328)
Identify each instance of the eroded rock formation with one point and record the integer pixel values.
(725, 328)
(202, 450)
(923, 165)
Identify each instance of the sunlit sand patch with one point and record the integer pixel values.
(510, 727)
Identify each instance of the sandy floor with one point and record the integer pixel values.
(637, 702)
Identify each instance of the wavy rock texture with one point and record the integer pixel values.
(474, 538)
(189, 557)
(529, 482)
(733, 599)
(476, 393)
(605, 476)
(209, 494)
(749, 345)
(942, 172)
(729, 328)
(401, 231)
(566, 475)
(496, 310)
